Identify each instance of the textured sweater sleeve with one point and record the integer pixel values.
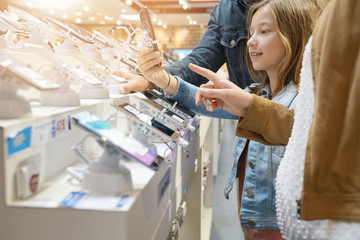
(267, 122)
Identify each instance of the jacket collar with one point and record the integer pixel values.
(245, 3)
(285, 97)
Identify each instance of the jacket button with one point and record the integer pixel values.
(251, 164)
(251, 223)
(249, 192)
(232, 42)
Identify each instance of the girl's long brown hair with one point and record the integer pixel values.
(294, 20)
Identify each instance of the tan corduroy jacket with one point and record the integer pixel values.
(332, 165)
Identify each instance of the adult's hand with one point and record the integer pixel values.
(149, 64)
(135, 83)
(221, 93)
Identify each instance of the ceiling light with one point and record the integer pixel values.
(29, 4)
(92, 18)
(78, 20)
(65, 16)
(128, 2)
(86, 8)
(186, 5)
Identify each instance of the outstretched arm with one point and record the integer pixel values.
(221, 93)
(260, 119)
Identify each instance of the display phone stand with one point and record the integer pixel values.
(13, 105)
(105, 175)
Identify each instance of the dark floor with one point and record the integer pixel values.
(226, 224)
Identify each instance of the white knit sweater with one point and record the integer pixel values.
(290, 175)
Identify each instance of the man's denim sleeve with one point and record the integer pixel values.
(209, 53)
(185, 96)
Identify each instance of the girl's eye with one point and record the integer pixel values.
(264, 31)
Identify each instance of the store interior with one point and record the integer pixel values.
(58, 61)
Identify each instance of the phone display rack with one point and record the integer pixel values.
(159, 98)
(90, 86)
(63, 186)
(44, 33)
(162, 116)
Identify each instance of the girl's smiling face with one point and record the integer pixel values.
(265, 47)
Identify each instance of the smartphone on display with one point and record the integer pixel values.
(161, 99)
(147, 26)
(141, 118)
(34, 21)
(17, 69)
(125, 143)
(91, 35)
(156, 109)
(72, 70)
(69, 30)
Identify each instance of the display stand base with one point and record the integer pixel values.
(95, 92)
(60, 98)
(111, 183)
(13, 106)
(107, 175)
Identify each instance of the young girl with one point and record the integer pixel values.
(314, 180)
(278, 32)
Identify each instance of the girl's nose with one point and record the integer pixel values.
(251, 41)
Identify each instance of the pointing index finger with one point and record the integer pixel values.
(210, 75)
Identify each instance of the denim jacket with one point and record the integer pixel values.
(258, 198)
(224, 41)
(258, 195)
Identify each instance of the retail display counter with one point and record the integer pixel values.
(80, 161)
(60, 209)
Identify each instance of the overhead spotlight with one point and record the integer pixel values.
(128, 2)
(185, 4)
(29, 4)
